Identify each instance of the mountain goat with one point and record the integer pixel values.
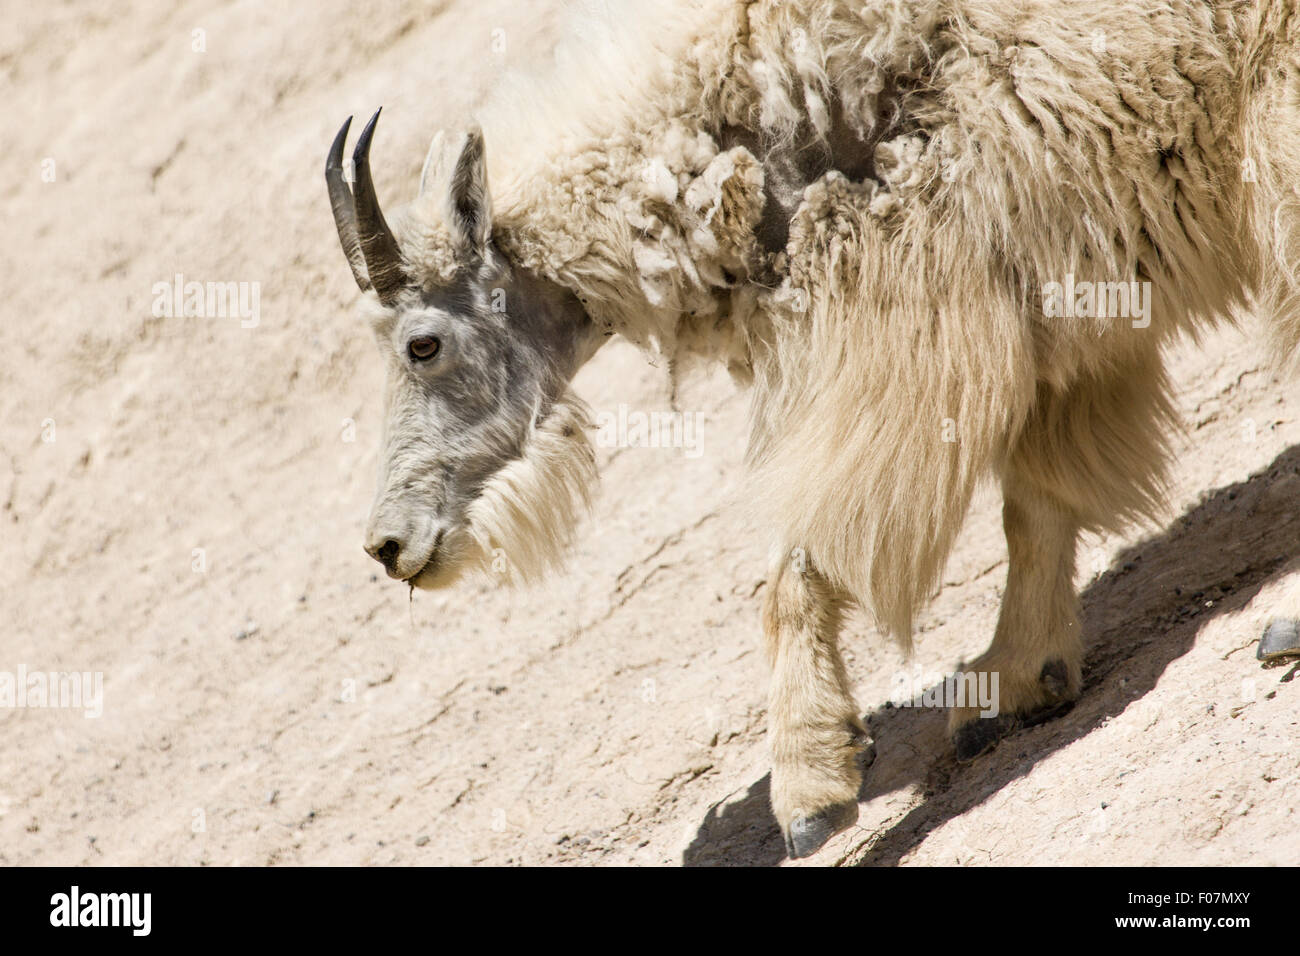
(940, 240)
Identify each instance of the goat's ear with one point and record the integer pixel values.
(469, 205)
(433, 160)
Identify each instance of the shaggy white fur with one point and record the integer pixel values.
(869, 211)
(900, 345)
(523, 520)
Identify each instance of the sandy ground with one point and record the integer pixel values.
(183, 502)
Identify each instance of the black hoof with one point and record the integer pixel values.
(861, 740)
(809, 834)
(1281, 640)
(1055, 678)
(1043, 714)
(981, 735)
(868, 755)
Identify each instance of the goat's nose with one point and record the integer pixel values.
(386, 551)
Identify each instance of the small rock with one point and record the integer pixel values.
(1281, 640)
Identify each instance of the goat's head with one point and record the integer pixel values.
(486, 462)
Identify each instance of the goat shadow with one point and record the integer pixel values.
(1154, 599)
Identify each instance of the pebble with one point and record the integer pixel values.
(1281, 640)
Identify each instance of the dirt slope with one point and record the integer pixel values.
(193, 531)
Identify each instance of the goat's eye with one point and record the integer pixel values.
(423, 348)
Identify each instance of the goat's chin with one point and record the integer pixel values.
(442, 571)
(521, 524)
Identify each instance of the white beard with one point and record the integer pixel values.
(520, 526)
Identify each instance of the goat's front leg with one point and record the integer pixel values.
(814, 729)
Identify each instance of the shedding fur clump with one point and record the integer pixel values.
(523, 520)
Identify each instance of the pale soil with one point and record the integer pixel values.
(614, 715)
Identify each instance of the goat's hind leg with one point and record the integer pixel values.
(814, 730)
(1088, 458)
(1034, 665)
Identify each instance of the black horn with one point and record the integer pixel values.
(345, 215)
(368, 243)
(383, 257)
